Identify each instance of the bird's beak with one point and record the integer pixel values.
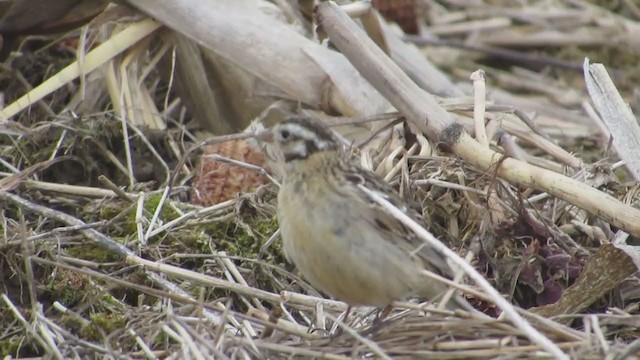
(265, 135)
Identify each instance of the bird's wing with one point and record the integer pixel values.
(398, 232)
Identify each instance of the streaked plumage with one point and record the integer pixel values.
(339, 239)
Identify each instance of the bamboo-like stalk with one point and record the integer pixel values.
(425, 114)
(271, 50)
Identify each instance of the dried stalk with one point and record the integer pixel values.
(425, 114)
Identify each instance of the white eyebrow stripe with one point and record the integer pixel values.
(306, 134)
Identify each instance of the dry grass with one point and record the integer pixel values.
(104, 254)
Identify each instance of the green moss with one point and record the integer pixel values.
(93, 253)
(70, 297)
(68, 288)
(109, 301)
(108, 211)
(122, 216)
(241, 233)
(9, 347)
(167, 213)
(18, 346)
(197, 240)
(102, 325)
(126, 225)
(621, 174)
(242, 237)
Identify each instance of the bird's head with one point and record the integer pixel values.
(299, 138)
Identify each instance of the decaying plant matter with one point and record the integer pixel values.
(138, 214)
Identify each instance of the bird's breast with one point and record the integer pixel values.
(333, 244)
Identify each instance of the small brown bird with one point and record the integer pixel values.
(341, 240)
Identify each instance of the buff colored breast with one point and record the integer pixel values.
(335, 247)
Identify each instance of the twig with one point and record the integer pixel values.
(424, 112)
(479, 104)
(504, 305)
(364, 341)
(115, 188)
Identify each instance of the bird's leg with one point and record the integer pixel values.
(377, 322)
(346, 314)
(382, 315)
(338, 331)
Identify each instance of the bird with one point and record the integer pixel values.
(340, 240)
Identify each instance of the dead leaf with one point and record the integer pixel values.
(604, 270)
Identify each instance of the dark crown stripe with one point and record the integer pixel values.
(303, 137)
(321, 131)
(294, 156)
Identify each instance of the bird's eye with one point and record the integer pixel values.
(285, 134)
